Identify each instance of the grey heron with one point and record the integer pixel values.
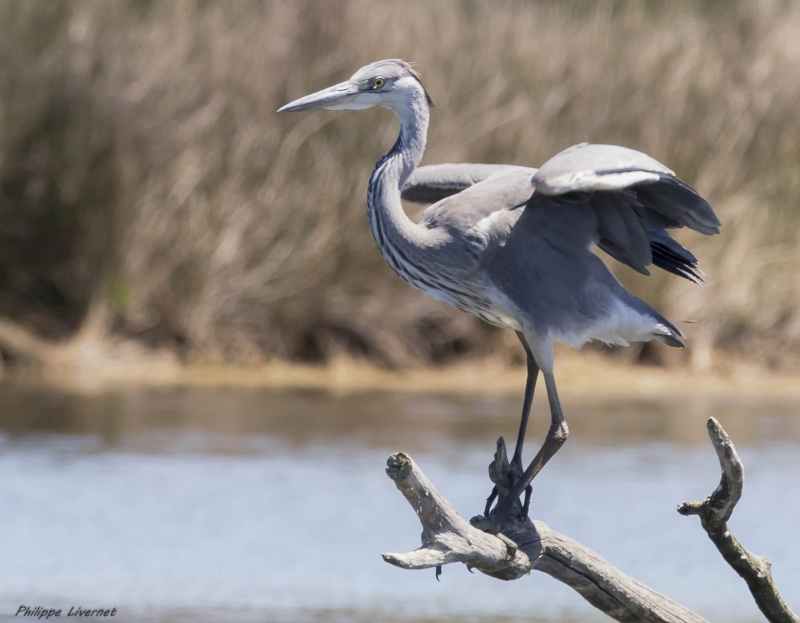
(513, 245)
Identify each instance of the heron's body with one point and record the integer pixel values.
(529, 272)
(513, 245)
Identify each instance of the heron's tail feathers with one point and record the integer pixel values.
(664, 331)
(669, 335)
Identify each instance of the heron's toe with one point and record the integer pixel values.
(486, 523)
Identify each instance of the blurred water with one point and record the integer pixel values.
(256, 505)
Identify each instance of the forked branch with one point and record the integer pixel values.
(521, 545)
(716, 510)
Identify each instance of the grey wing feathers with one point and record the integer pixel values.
(622, 233)
(587, 161)
(434, 182)
(636, 200)
(486, 209)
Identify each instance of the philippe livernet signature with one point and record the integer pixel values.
(38, 612)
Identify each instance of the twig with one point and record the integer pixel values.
(522, 545)
(714, 514)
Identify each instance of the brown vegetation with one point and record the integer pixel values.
(143, 169)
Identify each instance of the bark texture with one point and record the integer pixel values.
(520, 546)
(714, 513)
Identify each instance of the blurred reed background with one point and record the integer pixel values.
(146, 180)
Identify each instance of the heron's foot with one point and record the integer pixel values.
(515, 474)
(492, 519)
(487, 523)
(504, 475)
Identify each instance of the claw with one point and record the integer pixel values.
(438, 572)
(511, 546)
(492, 497)
(526, 505)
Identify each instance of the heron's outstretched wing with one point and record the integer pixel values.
(485, 210)
(632, 200)
(635, 200)
(435, 182)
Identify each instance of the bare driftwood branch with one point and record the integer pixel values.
(520, 546)
(714, 514)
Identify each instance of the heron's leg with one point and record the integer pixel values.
(516, 460)
(530, 386)
(556, 436)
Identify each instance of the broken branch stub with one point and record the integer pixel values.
(446, 536)
(714, 513)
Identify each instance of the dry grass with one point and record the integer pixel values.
(142, 165)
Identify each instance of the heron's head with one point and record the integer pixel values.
(392, 83)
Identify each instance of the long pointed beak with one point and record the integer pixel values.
(339, 95)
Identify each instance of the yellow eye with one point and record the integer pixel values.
(378, 83)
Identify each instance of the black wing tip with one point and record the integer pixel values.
(681, 264)
(690, 273)
(701, 211)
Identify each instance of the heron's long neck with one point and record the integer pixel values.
(394, 232)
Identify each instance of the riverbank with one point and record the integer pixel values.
(579, 374)
(93, 361)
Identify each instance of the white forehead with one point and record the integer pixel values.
(391, 69)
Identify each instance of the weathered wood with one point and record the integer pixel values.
(520, 546)
(714, 513)
(446, 536)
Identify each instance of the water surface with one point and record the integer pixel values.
(261, 505)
